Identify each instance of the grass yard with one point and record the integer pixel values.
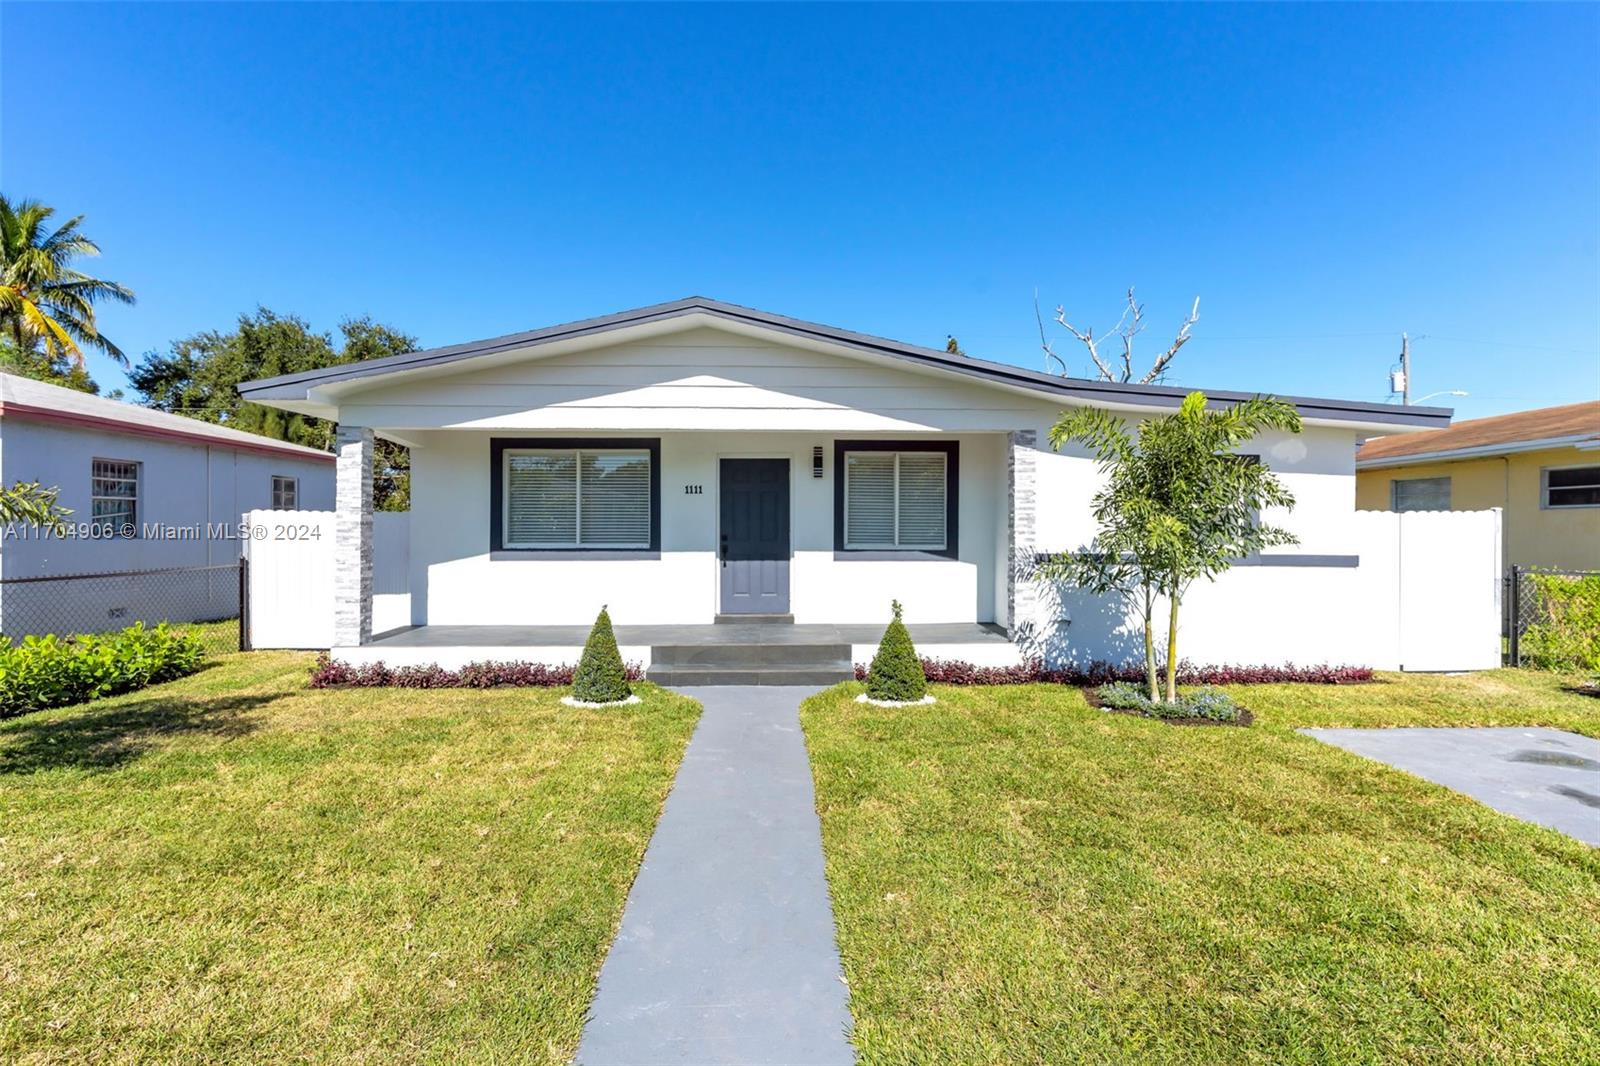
(235, 867)
(1019, 878)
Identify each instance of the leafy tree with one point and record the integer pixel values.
(29, 503)
(1179, 504)
(896, 671)
(42, 366)
(200, 375)
(45, 301)
(601, 676)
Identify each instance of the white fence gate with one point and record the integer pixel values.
(1449, 585)
(290, 555)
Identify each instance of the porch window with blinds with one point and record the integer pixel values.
(577, 498)
(895, 500)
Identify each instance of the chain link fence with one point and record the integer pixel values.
(203, 600)
(1553, 619)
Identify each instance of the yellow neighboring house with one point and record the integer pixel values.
(1541, 467)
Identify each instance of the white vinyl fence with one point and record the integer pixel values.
(1415, 591)
(290, 556)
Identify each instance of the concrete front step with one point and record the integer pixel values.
(684, 676)
(753, 655)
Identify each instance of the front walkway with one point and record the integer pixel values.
(1541, 775)
(726, 952)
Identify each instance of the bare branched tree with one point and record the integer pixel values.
(1119, 366)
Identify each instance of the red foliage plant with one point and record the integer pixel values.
(955, 672)
(330, 674)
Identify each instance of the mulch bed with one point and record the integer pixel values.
(1592, 691)
(1092, 698)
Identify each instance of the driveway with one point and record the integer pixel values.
(1546, 776)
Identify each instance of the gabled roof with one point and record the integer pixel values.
(1575, 424)
(292, 391)
(39, 401)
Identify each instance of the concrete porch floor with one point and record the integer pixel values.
(936, 633)
(741, 653)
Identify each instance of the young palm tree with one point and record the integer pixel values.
(43, 298)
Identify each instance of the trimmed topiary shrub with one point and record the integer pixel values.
(601, 677)
(896, 672)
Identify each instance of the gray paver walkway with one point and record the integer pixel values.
(1547, 776)
(726, 952)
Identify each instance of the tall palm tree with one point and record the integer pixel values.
(43, 299)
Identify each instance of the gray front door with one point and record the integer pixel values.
(755, 536)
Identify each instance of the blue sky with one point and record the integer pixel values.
(1323, 177)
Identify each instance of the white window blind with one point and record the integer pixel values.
(895, 500)
(580, 498)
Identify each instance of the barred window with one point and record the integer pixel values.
(577, 498)
(285, 493)
(114, 497)
(895, 500)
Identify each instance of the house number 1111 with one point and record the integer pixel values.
(694, 490)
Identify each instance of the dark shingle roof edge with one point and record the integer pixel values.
(297, 386)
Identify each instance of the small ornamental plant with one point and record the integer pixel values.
(601, 676)
(896, 671)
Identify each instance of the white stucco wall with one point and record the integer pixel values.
(456, 581)
(710, 393)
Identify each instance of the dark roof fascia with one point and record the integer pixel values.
(297, 386)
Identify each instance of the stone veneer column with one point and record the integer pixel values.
(352, 543)
(1021, 592)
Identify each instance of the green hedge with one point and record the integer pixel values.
(52, 672)
(1564, 633)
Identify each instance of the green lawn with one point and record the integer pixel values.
(235, 867)
(1019, 878)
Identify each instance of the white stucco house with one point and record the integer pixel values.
(149, 491)
(696, 462)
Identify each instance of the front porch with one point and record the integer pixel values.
(723, 653)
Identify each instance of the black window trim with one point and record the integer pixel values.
(952, 496)
(497, 449)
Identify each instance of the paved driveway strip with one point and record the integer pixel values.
(1547, 776)
(726, 952)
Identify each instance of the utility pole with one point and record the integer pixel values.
(1405, 370)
